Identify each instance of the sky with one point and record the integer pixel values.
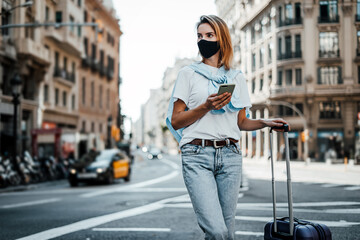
(155, 33)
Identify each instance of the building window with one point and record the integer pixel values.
(328, 11)
(46, 93)
(261, 57)
(358, 44)
(298, 79)
(47, 14)
(58, 17)
(93, 51)
(261, 84)
(330, 110)
(253, 57)
(279, 48)
(85, 16)
(56, 96)
(73, 102)
(280, 77)
(288, 47)
(297, 12)
(298, 45)
(79, 3)
(92, 94)
(288, 12)
(358, 74)
(83, 91)
(280, 14)
(64, 98)
(72, 20)
(83, 126)
(252, 35)
(79, 31)
(108, 99)
(86, 46)
(65, 64)
(270, 50)
(100, 96)
(289, 111)
(253, 85)
(57, 60)
(329, 44)
(100, 127)
(357, 17)
(329, 75)
(288, 77)
(73, 69)
(300, 107)
(92, 127)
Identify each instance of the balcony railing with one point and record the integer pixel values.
(110, 74)
(86, 62)
(95, 66)
(62, 73)
(357, 17)
(290, 55)
(329, 54)
(328, 19)
(290, 21)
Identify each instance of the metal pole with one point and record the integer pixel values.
(16, 102)
(283, 103)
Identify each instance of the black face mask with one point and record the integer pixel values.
(208, 48)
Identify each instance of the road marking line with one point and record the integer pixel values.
(30, 203)
(153, 190)
(132, 229)
(257, 234)
(135, 185)
(331, 185)
(352, 188)
(340, 223)
(168, 162)
(96, 221)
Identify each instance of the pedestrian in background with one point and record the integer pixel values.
(207, 127)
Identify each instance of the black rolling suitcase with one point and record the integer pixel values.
(289, 227)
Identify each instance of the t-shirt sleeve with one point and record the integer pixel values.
(182, 86)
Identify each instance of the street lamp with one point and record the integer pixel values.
(16, 90)
(26, 4)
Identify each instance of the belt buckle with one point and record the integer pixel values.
(216, 146)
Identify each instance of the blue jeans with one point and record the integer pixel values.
(212, 178)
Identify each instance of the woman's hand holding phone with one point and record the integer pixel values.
(216, 102)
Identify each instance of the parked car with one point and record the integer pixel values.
(105, 166)
(154, 153)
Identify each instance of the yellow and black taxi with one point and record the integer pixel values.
(102, 166)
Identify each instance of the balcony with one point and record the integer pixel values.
(328, 19)
(95, 66)
(110, 74)
(329, 54)
(279, 91)
(290, 55)
(64, 77)
(34, 50)
(86, 62)
(290, 21)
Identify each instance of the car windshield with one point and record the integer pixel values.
(104, 156)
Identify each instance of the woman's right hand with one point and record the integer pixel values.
(216, 102)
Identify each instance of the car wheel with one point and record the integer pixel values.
(127, 178)
(74, 183)
(110, 178)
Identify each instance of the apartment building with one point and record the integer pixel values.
(52, 62)
(301, 56)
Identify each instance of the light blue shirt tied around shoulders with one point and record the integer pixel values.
(221, 77)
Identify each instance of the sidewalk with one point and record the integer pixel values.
(313, 172)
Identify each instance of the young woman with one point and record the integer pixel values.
(208, 126)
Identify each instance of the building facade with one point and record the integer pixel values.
(52, 62)
(302, 56)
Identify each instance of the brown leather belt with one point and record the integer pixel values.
(214, 143)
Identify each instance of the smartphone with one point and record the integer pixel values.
(226, 88)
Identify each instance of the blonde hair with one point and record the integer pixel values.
(223, 35)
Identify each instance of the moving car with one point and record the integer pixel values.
(154, 153)
(103, 166)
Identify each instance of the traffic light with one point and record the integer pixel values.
(99, 30)
(304, 135)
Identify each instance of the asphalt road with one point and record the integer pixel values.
(155, 205)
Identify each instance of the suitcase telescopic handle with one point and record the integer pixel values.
(285, 127)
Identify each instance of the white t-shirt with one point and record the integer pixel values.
(192, 89)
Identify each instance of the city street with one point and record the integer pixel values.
(155, 205)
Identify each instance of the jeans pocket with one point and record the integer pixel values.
(189, 149)
(235, 149)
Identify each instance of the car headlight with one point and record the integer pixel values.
(159, 156)
(150, 156)
(100, 170)
(73, 171)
